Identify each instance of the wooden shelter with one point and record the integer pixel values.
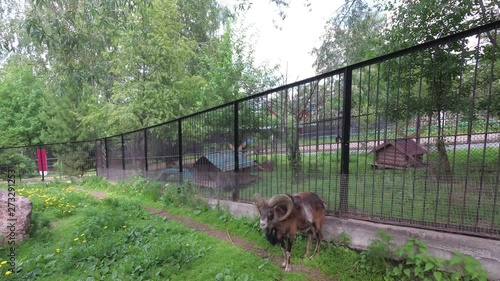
(217, 170)
(399, 154)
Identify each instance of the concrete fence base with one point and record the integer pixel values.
(440, 244)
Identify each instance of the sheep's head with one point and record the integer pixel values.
(271, 211)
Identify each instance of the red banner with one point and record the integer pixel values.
(41, 155)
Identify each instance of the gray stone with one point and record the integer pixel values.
(15, 218)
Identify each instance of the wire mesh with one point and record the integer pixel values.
(411, 138)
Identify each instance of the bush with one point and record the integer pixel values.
(22, 165)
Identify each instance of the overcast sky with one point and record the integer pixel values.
(299, 33)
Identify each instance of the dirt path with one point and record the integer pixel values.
(311, 273)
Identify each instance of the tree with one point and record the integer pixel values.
(291, 107)
(415, 22)
(21, 97)
(352, 35)
(153, 83)
(72, 39)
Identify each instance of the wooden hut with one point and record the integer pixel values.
(217, 170)
(399, 154)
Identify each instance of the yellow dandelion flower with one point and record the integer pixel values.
(4, 262)
(76, 239)
(58, 250)
(105, 227)
(84, 241)
(124, 226)
(8, 272)
(83, 234)
(187, 245)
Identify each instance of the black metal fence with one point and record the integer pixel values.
(49, 161)
(410, 138)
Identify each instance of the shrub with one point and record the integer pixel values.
(23, 166)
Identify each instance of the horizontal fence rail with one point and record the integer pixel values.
(411, 138)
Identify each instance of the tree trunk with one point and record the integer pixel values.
(442, 167)
(294, 155)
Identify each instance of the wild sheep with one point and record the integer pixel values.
(283, 215)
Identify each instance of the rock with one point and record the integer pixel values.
(15, 219)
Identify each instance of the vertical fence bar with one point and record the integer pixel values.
(146, 151)
(106, 154)
(123, 155)
(346, 131)
(179, 140)
(96, 152)
(236, 137)
(236, 192)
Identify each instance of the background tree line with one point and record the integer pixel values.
(76, 70)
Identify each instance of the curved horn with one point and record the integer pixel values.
(258, 200)
(282, 199)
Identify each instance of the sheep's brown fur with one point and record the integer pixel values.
(281, 225)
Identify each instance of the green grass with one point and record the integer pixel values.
(115, 239)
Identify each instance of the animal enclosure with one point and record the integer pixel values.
(326, 133)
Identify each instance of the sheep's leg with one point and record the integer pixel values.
(288, 255)
(319, 237)
(309, 242)
(283, 248)
(288, 267)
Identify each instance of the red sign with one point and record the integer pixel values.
(41, 155)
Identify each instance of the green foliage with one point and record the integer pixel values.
(21, 96)
(94, 183)
(115, 239)
(415, 263)
(227, 275)
(40, 225)
(143, 187)
(354, 34)
(343, 239)
(115, 66)
(73, 160)
(183, 196)
(467, 267)
(376, 259)
(12, 159)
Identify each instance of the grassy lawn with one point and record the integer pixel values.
(75, 236)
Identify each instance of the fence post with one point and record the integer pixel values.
(146, 152)
(97, 146)
(346, 131)
(236, 191)
(106, 155)
(179, 140)
(123, 158)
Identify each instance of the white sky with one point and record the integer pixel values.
(300, 32)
